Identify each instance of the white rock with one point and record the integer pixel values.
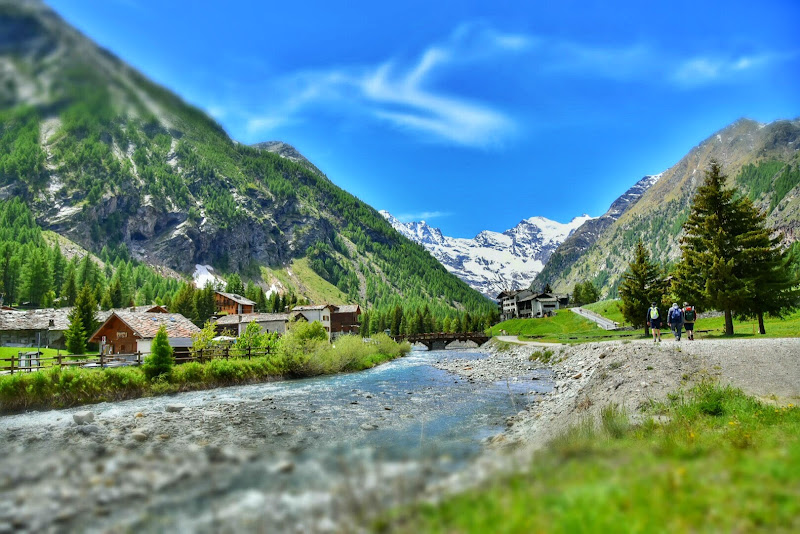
(82, 418)
(174, 407)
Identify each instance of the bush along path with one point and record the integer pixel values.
(304, 351)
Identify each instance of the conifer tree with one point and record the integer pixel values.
(771, 285)
(640, 287)
(70, 288)
(160, 361)
(204, 305)
(728, 260)
(75, 336)
(183, 302)
(85, 309)
(37, 277)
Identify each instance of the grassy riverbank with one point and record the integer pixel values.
(60, 388)
(563, 327)
(568, 327)
(719, 461)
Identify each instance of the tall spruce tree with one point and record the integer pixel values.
(729, 262)
(75, 336)
(640, 287)
(771, 285)
(85, 309)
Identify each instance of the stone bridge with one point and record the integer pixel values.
(440, 340)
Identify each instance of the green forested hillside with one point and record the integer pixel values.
(35, 272)
(110, 160)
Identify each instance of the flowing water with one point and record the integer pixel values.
(332, 448)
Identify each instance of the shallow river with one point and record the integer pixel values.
(305, 455)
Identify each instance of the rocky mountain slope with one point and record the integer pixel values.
(586, 235)
(107, 158)
(762, 161)
(492, 261)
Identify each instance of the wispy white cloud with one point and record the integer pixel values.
(404, 94)
(421, 216)
(410, 94)
(703, 70)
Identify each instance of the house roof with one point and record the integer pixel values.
(102, 315)
(238, 318)
(146, 325)
(347, 308)
(35, 319)
(237, 298)
(313, 307)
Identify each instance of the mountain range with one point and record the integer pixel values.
(492, 262)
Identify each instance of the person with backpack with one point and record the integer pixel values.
(675, 320)
(654, 319)
(689, 317)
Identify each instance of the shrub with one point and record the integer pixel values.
(188, 373)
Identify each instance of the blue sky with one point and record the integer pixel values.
(470, 115)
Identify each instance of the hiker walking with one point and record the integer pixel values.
(689, 317)
(654, 319)
(675, 320)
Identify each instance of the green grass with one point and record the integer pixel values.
(317, 289)
(564, 327)
(568, 327)
(724, 462)
(610, 309)
(13, 352)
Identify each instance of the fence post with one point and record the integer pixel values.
(101, 360)
(138, 358)
(58, 357)
(12, 365)
(227, 352)
(249, 348)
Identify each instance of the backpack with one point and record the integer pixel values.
(654, 313)
(690, 314)
(675, 315)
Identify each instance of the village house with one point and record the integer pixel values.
(127, 332)
(524, 303)
(230, 303)
(337, 320)
(344, 320)
(320, 313)
(236, 324)
(34, 328)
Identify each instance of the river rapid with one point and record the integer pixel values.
(322, 454)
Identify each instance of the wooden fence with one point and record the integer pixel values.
(33, 361)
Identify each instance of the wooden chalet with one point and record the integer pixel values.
(344, 320)
(230, 303)
(127, 332)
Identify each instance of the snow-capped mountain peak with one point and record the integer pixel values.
(492, 261)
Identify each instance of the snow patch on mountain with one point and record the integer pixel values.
(492, 261)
